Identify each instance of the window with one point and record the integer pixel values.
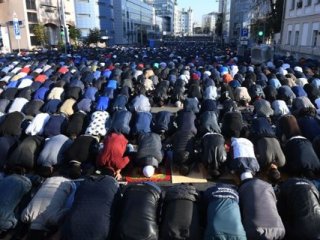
(31, 4)
(31, 26)
(289, 37)
(296, 38)
(308, 3)
(34, 41)
(32, 17)
(315, 38)
(293, 3)
(299, 4)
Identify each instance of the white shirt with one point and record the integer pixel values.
(36, 127)
(17, 105)
(141, 104)
(242, 147)
(210, 93)
(25, 83)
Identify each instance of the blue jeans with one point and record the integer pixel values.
(12, 188)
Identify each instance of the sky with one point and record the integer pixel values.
(199, 7)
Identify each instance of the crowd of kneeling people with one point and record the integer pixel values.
(69, 128)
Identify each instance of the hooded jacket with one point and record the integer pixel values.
(47, 208)
(223, 213)
(112, 155)
(299, 208)
(93, 211)
(259, 212)
(149, 150)
(53, 151)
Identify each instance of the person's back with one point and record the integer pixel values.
(92, 213)
(299, 208)
(13, 188)
(223, 213)
(260, 217)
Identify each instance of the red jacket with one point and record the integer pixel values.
(112, 153)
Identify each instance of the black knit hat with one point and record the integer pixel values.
(232, 124)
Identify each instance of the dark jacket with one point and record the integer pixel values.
(149, 150)
(180, 214)
(301, 156)
(309, 126)
(260, 128)
(186, 121)
(299, 208)
(26, 153)
(76, 125)
(7, 145)
(163, 121)
(191, 104)
(182, 144)
(92, 213)
(268, 151)
(213, 150)
(121, 122)
(51, 106)
(260, 222)
(4, 104)
(139, 221)
(55, 125)
(33, 107)
(208, 122)
(142, 123)
(83, 149)
(11, 125)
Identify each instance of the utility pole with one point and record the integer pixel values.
(141, 40)
(63, 24)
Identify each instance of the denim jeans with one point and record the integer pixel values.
(12, 188)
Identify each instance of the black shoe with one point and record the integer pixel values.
(184, 170)
(274, 175)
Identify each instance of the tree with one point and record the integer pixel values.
(74, 34)
(218, 30)
(93, 36)
(271, 22)
(40, 34)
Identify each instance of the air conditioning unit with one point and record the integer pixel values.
(299, 4)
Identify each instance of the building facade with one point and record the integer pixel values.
(300, 35)
(208, 22)
(225, 8)
(240, 21)
(165, 9)
(92, 14)
(133, 23)
(32, 12)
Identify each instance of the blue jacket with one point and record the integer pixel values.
(51, 106)
(121, 122)
(91, 93)
(93, 210)
(102, 103)
(142, 123)
(41, 93)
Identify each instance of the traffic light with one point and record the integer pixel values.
(260, 33)
(61, 30)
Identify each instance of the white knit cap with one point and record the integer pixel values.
(246, 175)
(298, 69)
(148, 171)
